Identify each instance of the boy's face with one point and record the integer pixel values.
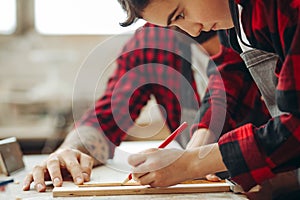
(192, 16)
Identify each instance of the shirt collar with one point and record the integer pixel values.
(241, 2)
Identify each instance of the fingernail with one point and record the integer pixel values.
(39, 187)
(86, 176)
(79, 180)
(24, 187)
(56, 181)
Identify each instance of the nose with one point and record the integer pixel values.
(193, 29)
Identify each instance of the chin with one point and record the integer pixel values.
(228, 26)
(197, 34)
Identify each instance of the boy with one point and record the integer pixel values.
(86, 147)
(251, 154)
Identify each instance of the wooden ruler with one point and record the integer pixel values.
(198, 181)
(112, 189)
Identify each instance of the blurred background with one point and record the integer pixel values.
(42, 45)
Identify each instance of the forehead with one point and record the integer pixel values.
(158, 11)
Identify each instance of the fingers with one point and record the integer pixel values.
(136, 159)
(86, 163)
(39, 178)
(161, 167)
(53, 166)
(144, 179)
(28, 179)
(212, 177)
(70, 160)
(139, 158)
(143, 167)
(154, 179)
(78, 165)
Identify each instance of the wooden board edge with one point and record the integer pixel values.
(139, 190)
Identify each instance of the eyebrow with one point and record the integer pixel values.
(171, 16)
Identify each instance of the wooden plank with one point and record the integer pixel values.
(138, 190)
(108, 184)
(198, 181)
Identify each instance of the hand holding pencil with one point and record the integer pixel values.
(169, 139)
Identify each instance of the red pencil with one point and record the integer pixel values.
(167, 141)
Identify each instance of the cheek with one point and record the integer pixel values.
(200, 15)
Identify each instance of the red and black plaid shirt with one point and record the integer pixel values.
(254, 154)
(149, 64)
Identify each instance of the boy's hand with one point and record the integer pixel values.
(62, 164)
(165, 167)
(160, 167)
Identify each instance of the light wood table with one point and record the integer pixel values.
(14, 190)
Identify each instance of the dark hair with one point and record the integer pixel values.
(134, 9)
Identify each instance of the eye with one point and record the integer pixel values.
(180, 16)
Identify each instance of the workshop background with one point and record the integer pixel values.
(42, 45)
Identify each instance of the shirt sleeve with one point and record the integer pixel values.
(146, 66)
(116, 110)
